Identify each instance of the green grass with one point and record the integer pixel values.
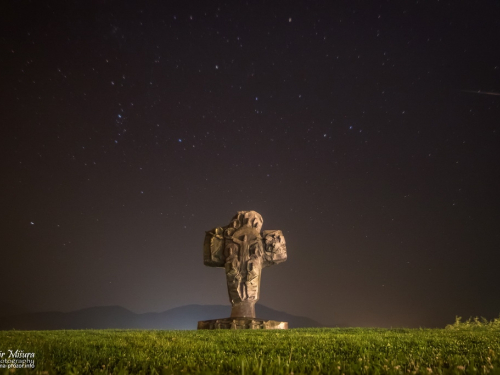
(308, 351)
(474, 323)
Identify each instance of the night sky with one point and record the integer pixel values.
(368, 132)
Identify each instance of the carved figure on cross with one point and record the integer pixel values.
(243, 250)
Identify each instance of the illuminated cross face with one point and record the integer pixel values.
(243, 250)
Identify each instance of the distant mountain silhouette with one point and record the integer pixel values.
(10, 309)
(102, 317)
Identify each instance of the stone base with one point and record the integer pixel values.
(241, 323)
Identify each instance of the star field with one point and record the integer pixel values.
(367, 133)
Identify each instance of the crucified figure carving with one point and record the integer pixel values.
(243, 250)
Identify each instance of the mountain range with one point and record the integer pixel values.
(117, 317)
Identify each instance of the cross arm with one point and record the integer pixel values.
(213, 248)
(274, 247)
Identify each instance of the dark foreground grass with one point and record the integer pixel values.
(297, 351)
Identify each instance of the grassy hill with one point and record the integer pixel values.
(296, 351)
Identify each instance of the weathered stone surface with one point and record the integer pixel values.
(243, 250)
(242, 323)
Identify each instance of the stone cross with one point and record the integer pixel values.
(243, 250)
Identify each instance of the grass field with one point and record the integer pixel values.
(310, 351)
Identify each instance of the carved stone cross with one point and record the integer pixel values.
(243, 250)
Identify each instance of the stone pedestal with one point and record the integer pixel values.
(241, 323)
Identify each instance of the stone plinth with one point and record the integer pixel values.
(241, 323)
